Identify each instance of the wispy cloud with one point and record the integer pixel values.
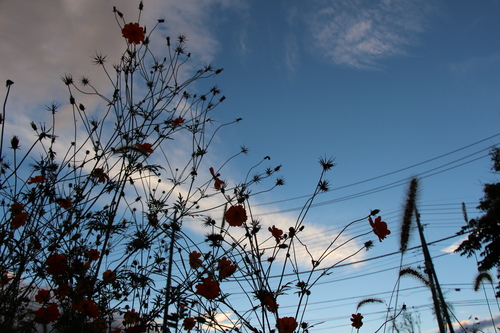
(42, 41)
(359, 33)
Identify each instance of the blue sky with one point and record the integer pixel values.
(379, 85)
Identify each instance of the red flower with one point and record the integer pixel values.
(56, 264)
(36, 179)
(47, 314)
(176, 122)
(43, 296)
(277, 233)
(62, 291)
(225, 268)
(208, 288)
(88, 308)
(194, 260)
(217, 182)
(19, 216)
(357, 320)
(65, 203)
(379, 227)
(130, 317)
(188, 323)
(145, 148)
(100, 175)
(109, 276)
(236, 215)
(93, 254)
(287, 324)
(133, 32)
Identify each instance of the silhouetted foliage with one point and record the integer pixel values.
(484, 232)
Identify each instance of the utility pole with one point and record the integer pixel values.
(440, 307)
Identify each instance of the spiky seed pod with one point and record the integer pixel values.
(479, 279)
(410, 271)
(411, 200)
(367, 301)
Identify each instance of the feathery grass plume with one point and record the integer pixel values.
(368, 300)
(464, 213)
(410, 271)
(480, 278)
(411, 201)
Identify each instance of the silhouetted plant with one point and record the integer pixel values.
(96, 233)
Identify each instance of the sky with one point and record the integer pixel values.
(391, 89)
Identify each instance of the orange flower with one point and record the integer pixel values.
(130, 317)
(47, 314)
(379, 227)
(194, 260)
(65, 203)
(286, 324)
(62, 291)
(109, 276)
(19, 216)
(208, 288)
(357, 320)
(225, 268)
(93, 254)
(56, 264)
(188, 323)
(277, 233)
(100, 175)
(88, 308)
(43, 296)
(236, 215)
(217, 182)
(133, 32)
(145, 148)
(36, 179)
(176, 122)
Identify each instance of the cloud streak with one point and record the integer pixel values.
(360, 33)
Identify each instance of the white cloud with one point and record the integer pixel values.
(359, 33)
(41, 41)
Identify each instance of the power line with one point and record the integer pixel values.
(389, 173)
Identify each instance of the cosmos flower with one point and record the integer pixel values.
(357, 320)
(217, 182)
(277, 233)
(109, 276)
(93, 254)
(379, 227)
(145, 148)
(133, 33)
(88, 308)
(100, 175)
(65, 203)
(188, 323)
(208, 288)
(36, 179)
(47, 314)
(177, 121)
(225, 268)
(194, 260)
(19, 216)
(236, 215)
(287, 324)
(43, 296)
(131, 317)
(56, 264)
